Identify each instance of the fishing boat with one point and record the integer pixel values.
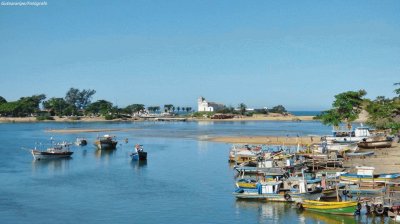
(106, 142)
(81, 141)
(243, 153)
(337, 208)
(372, 143)
(271, 191)
(139, 153)
(58, 150)
(348, 135)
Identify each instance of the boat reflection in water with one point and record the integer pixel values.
(60, 164)
(104, 153)
(138, 164)
(269, 212)
(274, 212)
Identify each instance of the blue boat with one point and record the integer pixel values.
(135, 156)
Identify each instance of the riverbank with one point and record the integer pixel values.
(271, 117)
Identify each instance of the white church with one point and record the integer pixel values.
(203, 105)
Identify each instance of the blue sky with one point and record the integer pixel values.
(263, 53)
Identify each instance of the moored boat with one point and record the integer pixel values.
(81, 141)
(337, 208)
(59, 150)
(138, 153)
(106, 142)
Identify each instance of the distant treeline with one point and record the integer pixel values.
(75, 103)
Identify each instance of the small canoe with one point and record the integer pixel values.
(246, 183)
(359, 154)
(337, 208)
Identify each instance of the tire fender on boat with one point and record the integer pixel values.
(287, 196)
(299, 205)
(379, 209)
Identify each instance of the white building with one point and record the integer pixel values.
(203, 105)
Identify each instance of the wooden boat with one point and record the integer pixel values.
(246, 183)
(372, 144)
(81, 142)
(106, 142)
(59, 150)
(359, 154)
(271, 191)
(378, 178)
(337, 208)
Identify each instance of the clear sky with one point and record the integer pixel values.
(262, 53)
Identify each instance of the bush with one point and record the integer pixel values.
(44, 118)
(109, 117)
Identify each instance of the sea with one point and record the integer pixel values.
(186, 179)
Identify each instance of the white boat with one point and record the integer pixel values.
(348, 135)
(59, 150)
(336, 147)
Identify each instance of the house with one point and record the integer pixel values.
(203, 105)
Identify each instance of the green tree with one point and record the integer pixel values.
(80, 99)
(2, 100)
(168, 107)
(346, 108)
(135, 108)
(56, 105)
(100, 107)
(242, 108)
(397, 91)
(278, 109)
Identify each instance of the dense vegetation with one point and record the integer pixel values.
(75, 103)
(383, 113)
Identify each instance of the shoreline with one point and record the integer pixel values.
(101, 119)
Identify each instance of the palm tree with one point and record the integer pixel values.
(242, 108)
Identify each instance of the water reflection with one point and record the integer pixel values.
(60, 164)
(273, 212)
(105, 153)
(138, 164)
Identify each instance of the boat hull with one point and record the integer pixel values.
(142, 155)
(336, 208)
(375, 144)
(294, 197)
(38, 155)
(106, 145)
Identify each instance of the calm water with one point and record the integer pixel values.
(185, 180)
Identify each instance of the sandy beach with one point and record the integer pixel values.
(386, 160)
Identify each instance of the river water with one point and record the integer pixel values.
(185, 180)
